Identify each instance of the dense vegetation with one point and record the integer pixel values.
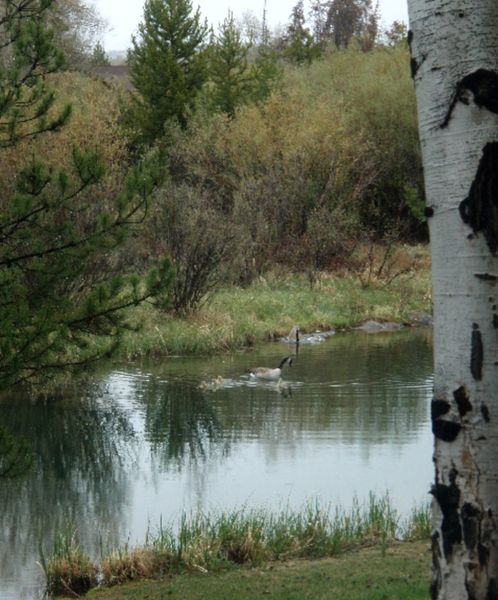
(273, 159)
(242, 158)
(326, 162)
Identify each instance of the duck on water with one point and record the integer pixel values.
(271, 374)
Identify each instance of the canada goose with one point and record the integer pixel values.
(266, 373)
(293, 337)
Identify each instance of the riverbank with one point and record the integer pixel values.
(221, 542)
(401, 571)
(236, 317)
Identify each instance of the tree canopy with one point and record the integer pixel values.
(300, 45)
(77, 27)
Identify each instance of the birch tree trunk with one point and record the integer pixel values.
(454, 45)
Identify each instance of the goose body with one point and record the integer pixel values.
(212, 385)
(271, 374)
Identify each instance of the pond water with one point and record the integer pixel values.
(145, 442)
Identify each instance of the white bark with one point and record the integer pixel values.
(454, 46)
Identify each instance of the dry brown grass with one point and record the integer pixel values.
(140, 563)
(72, 576)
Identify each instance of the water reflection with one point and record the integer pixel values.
(182, 425)
(150, 440)
(362, 389)
(80, 446)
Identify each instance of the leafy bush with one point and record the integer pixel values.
(378, 109)
(273, 169)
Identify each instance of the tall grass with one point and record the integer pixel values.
(418, 525)
(239, 317)
(217, 541)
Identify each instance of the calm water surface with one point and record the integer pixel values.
(146, 442)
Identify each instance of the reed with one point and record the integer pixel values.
(69, 571)
(214, 542)
(418, 525)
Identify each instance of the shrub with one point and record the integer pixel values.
(323, 162)
(378, 109)
(201, 241)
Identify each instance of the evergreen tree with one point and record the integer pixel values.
(99, 57)
(267, 73)
(300, 45)
(168, 67)
(52, 304)
(345, 20)
(230, 76)
(352, 18)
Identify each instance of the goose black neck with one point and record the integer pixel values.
(283, 361)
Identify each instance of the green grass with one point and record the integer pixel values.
(215, 543)
(240, 317)
(403, 572)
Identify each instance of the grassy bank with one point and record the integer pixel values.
(237, 317)
(218, 543)
(403, 571)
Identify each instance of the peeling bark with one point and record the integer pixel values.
(454, 47)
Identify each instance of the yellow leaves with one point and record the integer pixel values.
(93, 121)
(92, 126)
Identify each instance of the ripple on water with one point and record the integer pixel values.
(350, 416)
